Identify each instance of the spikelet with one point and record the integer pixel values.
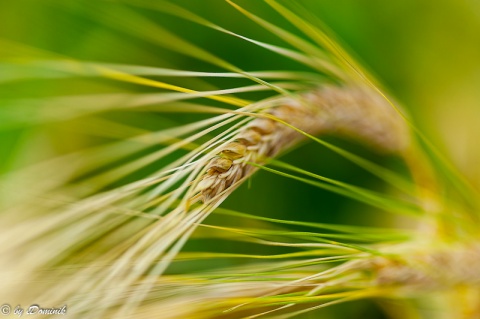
(357, 112)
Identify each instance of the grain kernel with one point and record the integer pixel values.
(262, 126)
(234, 150)
(220, 164)
(249, 137)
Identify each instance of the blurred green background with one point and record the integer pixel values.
(425, 52)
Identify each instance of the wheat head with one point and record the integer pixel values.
(104, 228)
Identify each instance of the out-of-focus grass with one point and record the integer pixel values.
(425, 52)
